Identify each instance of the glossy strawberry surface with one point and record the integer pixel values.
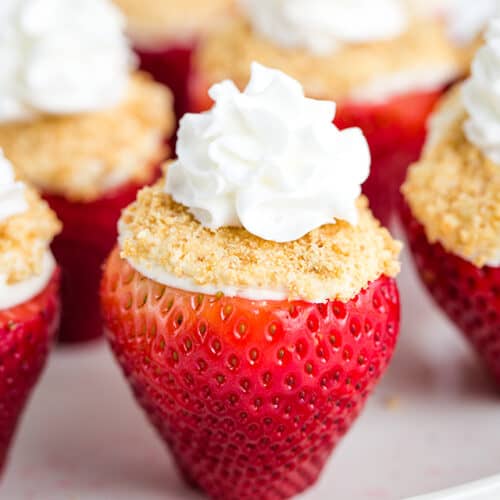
(395, 130)
(89, 233)
(26, 334)
(251, 396)
(469, 295)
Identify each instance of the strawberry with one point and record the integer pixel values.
(88, 236)
(171, 66)
(26, 333)
(395, 131)
(251, 396)
(469, 295)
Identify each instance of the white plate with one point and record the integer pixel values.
(433, 423)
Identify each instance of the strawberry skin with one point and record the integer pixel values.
(251, 396)
(170, 64)
(395, 130)
(26, 334)
(469, 295)
(89, 233)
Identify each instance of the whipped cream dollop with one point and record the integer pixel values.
(322, 26)
(468, 18)
(465, 19)
(61, 57)
(481, 96)
(268, 159)
(12, 192)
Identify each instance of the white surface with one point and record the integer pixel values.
(84, 438)
(486, 489)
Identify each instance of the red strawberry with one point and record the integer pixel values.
(395, 131)
(26, 333)
(469, 295)
(251, 396)
(170, 65)
(89, 233)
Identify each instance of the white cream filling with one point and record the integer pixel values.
(159, 275)
(18, 293)
(156, 273)
(404, 82)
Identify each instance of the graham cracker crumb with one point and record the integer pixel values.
(335, 261)
(393, 403)
(24, 239)
(157, 20)
(454, 190)
(83, 156)
(229, 52)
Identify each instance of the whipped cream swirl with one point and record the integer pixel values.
(465, 19)
(481, 96)
(323, 26)
(12, 192)
(61, 57)
(268, 159)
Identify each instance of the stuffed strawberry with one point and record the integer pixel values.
(385, 72)
(88, 235)
(254, 309)
(87, 135)
(452, 208)
(29, 297)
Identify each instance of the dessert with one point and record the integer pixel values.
(29, 297)
(86, 131)
(385, 69)
(251, 299)
(164, 34)
(453, 206)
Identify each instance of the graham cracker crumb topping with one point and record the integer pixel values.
(454, 191)
(24, 239)
(229, 52)
(335, 261)
(83, 156)
(170, 19)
